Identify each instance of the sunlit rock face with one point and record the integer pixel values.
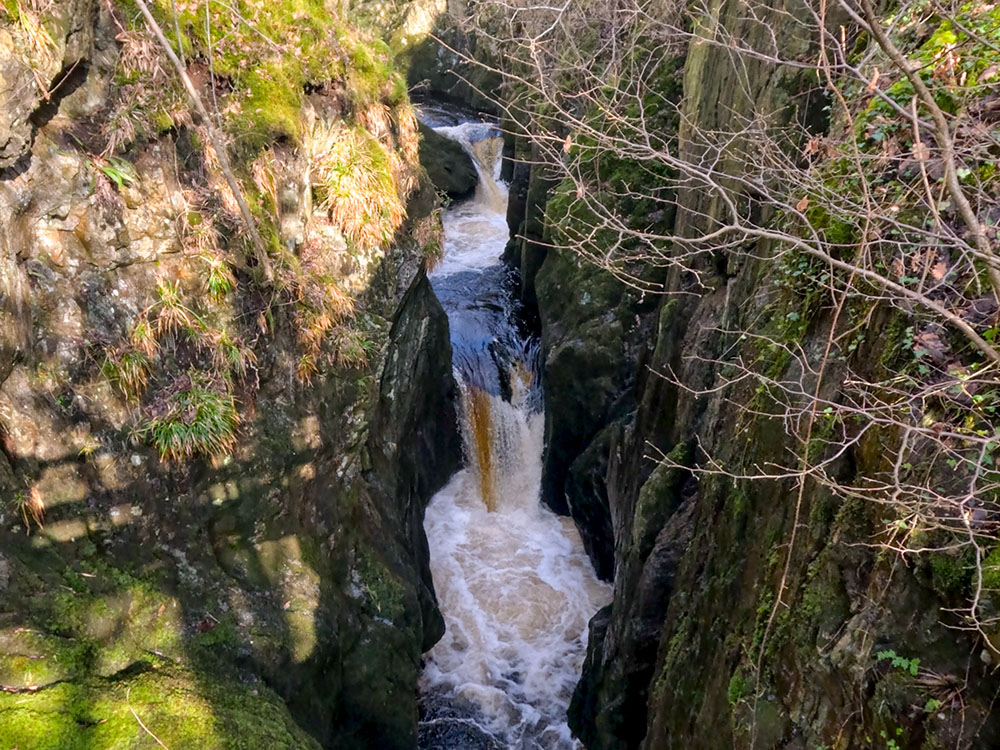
(276, 590)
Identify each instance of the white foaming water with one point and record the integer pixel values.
(515, 585)
(475, 231)
(516, 590)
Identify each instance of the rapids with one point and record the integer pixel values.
(513, 581)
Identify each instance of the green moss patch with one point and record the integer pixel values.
(263, 58)
(179, 707)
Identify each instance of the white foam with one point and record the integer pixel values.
(516, 590)
(475, 230)
(515, 586)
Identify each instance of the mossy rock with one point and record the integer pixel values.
(180, 708)
(448, 165)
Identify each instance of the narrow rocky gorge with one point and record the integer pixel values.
(502, 423)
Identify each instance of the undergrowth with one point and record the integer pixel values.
(317, 123)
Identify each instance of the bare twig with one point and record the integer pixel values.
(217, 143)
(136, 716)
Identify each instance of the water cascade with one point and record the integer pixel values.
(513, 581)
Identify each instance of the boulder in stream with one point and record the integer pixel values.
(448, 165)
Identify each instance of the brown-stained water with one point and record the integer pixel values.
(513, 581)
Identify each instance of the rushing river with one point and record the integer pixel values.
(513, 581)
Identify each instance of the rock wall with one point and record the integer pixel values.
(274, 592)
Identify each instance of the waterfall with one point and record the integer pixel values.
(484, 144)
(513, 581)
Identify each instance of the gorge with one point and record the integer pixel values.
(523, 375)
(512, 579)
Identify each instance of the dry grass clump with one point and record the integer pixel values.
(185, 328)
(354, 179)
(429, 235)
(31, 507)
(26, 15)
(172, 315)
(376, 118)
(147, 97)
(128, 370)
(264, 171)
(407, 133)
(203, 241)
(351, 347)
(322, 309)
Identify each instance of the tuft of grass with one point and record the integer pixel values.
(220, 280)
(30, 507)
(264, 173)
(41, 44)
(116, 169)
(232, 355)
(172, 315)
(196, 415)
(408, 133)
(128, 370)
(351, 347)
(148, 99)
(143, 337)
(307, 368)
(354, 178)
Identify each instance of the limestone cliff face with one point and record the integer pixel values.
(274, 592)
(677, 659)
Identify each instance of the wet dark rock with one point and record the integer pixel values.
(447, 163)
(587, 497)
(450, 71)
(448, 723)
(456, 734)
(414, 441)
(593, 334)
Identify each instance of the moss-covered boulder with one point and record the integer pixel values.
(150, 704)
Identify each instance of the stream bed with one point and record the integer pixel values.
(513, 581)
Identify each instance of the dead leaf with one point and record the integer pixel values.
(932, 346)
(939, 270)
(803, 204)
(874, 81)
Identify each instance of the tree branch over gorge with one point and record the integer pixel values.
(870, 192)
